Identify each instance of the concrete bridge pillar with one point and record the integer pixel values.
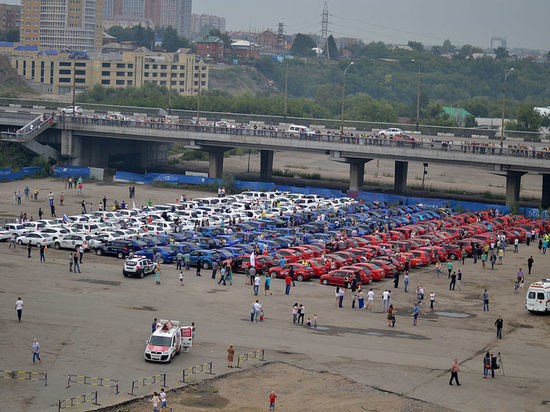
(266, 164)
(513, 184)
(400, 176)
(545, 201)
(356, 173)
(215, 167)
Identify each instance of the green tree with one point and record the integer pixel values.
(332, 49)
(447, 47)
(528, 119)
(501, 53)
(171, 41)
(303, 46)
(416, 45)
(222, 36)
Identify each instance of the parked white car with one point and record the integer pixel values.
(35, 239)
(74, 240)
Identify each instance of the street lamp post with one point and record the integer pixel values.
(343, 97)
(286, 90)
(199, 94)
(417, 96)
(171, 62)
(73, 56)
(504, 105)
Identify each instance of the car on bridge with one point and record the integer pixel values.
(391, 132)
(69, 110)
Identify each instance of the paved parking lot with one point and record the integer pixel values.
(96, 323)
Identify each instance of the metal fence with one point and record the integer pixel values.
(205, 368)
(257, 354)
(90, 397)
(149, 380)
(91, 380)
(25, 376)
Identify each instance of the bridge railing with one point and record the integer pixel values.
(30, 130)
(470, 147)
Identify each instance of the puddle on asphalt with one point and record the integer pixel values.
(100, 282)
(453, 314)
(392, 333)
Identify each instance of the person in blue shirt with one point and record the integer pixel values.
(416, 312)
(267, 285)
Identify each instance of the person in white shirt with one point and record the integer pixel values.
(370, 299)
(432, 299)
(81, 253)
(36, 351)
(257, 311)
(162, 396)
(386, 300)
(256, 284)
(19, 308)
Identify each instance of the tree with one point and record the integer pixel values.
(501, 53)
(138, 34)
(416, 45)
(528, 119)
(332, 49)
(171, 40)
(303, 46)
(447, 47)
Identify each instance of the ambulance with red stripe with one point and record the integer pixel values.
(538, 296)
(168, 340)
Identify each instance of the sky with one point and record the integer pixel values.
(523, 23)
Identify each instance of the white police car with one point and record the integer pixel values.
(138, 267)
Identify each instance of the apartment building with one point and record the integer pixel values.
(10, 17)
(57, 72)
(202, 23)
(62, 24)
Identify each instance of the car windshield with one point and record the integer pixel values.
(160, 341)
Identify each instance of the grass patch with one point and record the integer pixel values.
(311, 176)
(283, 173)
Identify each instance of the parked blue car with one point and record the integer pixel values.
(167, 255)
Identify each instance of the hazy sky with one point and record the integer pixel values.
(524, 23)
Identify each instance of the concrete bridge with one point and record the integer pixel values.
(89, 141)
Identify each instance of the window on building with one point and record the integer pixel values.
(64, 80)
(130, 65)
(196, 83)
(146, 66)
(64, 71)
(173, 83)
(163, 74)
(130, 73)
(196, 75)
(155, 74)
(203, 75)
(80, 80)
(120, 65)
(203, 83)
(182, 83)
(182, 90)
(105, 81)
(120, 82)
(162, 82)
(182, 67)
(182, 74)
(80, 64)
(80, 72)
(65, 64)
(163, 66)
(104, 73)
(155, 66)
(146, 74)
(129, 83)
(120, 74)
(105, 64)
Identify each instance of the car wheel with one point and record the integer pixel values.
(125, 274)
(300, 278)
(141, 274)
(37, 244)
(19, 242)
(98, 252)
(205, 265)
(120, 255)
(325, 282)
(57, 245)
(162, 260)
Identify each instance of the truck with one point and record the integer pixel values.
(538, 296)
(168, 340)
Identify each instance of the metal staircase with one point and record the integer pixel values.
(27, 134)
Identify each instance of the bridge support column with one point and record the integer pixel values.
(356, 174)
(545, 201)
(215, 166)
(513, 184)
(266, 164)
(400, 176)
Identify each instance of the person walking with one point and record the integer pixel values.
(360, 299)
(494, 365)
(459, 279)
(530, 262)
(199, 263)
(406, 281)
(288, 283)
(520, 277)
(516, 245)
(295, 312)
(156, 402)
(493, 260)
(36, 351)
(390, 315)
(267, 285)
(75, 263)
(12, 241)
(228, 275)
(272, 398)
(187, 260)
(450, 267)
(485, 301)
(301, 314)
(179, 260)
(416, 313)
(454, 373)
(230, 356)
(222, 276)
(486, 365)
(214, 269)
(181, 278)
(341, 294)
(432, 299)
(483, 259)
(370, 299)
(80, 253)
(500, 256)
(29, 249)
(385, 300)
(71, 262)
(499, 323)
(256, 284)
(257, 311)
(42, 255)
(453, 281)
(438, 268)
(157, 275)
(19, 308)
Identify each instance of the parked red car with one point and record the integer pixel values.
(338, 277)
(320, 267)
(301, 272)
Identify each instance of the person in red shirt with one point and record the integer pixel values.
(272, 398)
(288, 281)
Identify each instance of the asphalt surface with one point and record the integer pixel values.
(96, 324)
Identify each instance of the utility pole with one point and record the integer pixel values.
(343, 97)
(281, 38)
(504, 106)
(286, 90)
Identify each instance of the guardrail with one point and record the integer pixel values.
(25, 375)
(91, 380)
(30, 130)
(434, 144)
(149, 380)
(257, 354)
(90, 397)
(205, 368)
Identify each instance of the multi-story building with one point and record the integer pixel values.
(10, 17)
(133, 8)
(62, 24)
(58, 72)
(211, 46)
(202, 23)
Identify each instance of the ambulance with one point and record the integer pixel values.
(538, 296)
(168, 340)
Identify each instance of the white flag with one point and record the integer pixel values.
(133, 205)
(252, 259)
